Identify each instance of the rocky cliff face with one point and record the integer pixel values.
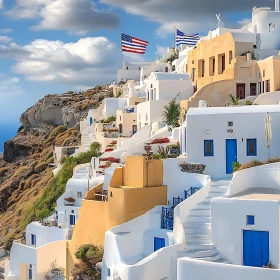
(67, 109)
(25, 169)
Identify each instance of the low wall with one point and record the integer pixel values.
(263, 176)
(200, 270)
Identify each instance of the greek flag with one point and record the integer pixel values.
(184, 39)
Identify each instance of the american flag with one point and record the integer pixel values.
(133, 45)
(184, 39)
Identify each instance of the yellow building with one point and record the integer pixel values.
(134, 189)
(225, 65)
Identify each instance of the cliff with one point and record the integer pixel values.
(26, 167)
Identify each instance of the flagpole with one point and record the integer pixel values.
(121, 52)
(175, 29)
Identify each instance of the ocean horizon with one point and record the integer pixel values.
(7, 132)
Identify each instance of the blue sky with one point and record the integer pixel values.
(53, 46)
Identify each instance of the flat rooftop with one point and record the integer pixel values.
(259, 194)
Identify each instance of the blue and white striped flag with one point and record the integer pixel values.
(184, 39)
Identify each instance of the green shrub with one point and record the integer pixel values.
(45, 205)
(89, 253)
(110, 119)
(236, 166)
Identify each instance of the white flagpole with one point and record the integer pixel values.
(175, 36)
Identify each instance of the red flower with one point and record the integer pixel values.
(109, 150)
(161, 141)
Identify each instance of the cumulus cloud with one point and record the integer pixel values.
(9, 86)
(5, 39)
(1, 4)
(87, 62)
(189, 15)
(77, 16)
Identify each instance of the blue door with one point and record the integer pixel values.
(158, 243)
(90, 121)
(255, 248)
(72, 220)
(231, 154)
(33, 240)
(30, 272)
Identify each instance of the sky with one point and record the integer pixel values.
(54, 46)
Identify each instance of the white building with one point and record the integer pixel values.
(161, 88)
(241, 230)
(131, 71)
(111, 105)
(217, 137)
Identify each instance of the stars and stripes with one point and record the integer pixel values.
(184, 39)
(133, 45)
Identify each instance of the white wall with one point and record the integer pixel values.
(184, 181)
(214, 126)
(268, 98)
(264, 176)
(149, 112)
(111, 105)
(44, 234)
(40, 258)
(229, 219)
(201, 270)
(124, 75)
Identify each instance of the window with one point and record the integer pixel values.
(230, 123)
(72, 220)
(158, 243)
(33, 240)
(108, 272)
(251, 147)
(230, 57)
(212, 62)
(201, 68)
(222, 63)
(268, 86)
(250, 220)
(263, 73)
(208, 148)
(79, 194)
(260, 87)
(30, 272)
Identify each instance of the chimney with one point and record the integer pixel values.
(277, 5)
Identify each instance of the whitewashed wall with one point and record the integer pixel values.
(264, 176)
(111, 105)
(229, 219)
(200, 270)
(214, 126)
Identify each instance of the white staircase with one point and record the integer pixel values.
(197, 228)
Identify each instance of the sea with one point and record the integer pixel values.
(7, 132)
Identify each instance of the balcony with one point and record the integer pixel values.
(101, 195)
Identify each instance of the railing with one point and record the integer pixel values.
(176, 201)
(190, 192)
(101, 195)
(167, 218)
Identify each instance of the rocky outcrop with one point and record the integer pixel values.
(66, 109)
(14, 151)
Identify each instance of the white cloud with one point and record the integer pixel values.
(6, 30)
(1, 4)
(87, 62)
(9, 86)
(189, 15)
(5, 39)
(77, 16)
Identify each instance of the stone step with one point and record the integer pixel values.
(197, 254)
(204, 235)
(213, 258)
(193, 218)
(194, 230)
(203, 205)
(200, 212)
(199, 247)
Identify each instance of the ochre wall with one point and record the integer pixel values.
(205, 50)
(125, 202)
